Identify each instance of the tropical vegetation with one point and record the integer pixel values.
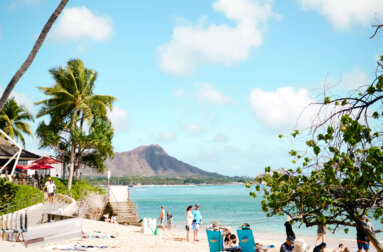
(160, 180)
(14, 197)
(80, 188)
(78, 130)
(339, 177)
(36, 47)
(14, 120)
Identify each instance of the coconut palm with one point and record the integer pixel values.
(14, 120)
(24, 67)
(71, 100)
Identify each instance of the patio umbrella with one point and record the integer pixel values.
(39, 167)
(46, 160)
(22, 167)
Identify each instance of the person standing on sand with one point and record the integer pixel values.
(289, 228)
(162, 217)
(169, 219)
(189, 220)
(361, 237)
(371, 228)
(196, 222)
(321, 231)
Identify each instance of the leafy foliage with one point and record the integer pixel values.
(80, 188)
(78, 130)
(14, 120)
(339, 178)
(15, 197)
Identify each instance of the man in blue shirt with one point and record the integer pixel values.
(196, 222)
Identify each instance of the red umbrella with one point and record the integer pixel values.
(46, 160)
(23, 167)
(39, 167)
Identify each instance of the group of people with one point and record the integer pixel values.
(362, 240)
(112, 218)
(193, 221)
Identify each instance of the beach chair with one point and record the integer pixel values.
(246, 240)
(215, 240)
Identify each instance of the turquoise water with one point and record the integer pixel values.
(230, 204)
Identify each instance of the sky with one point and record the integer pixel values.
(212, 82)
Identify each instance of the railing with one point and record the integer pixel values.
(21, 204)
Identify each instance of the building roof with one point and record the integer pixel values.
(7, 151)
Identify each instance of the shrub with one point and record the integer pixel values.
(15, 197)
(80, 188)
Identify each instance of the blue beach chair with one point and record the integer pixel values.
(215, 240)
(246, 240)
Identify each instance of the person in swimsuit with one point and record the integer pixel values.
(162, 217)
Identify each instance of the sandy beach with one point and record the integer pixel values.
(130, 238)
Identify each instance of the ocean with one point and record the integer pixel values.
(230, 204)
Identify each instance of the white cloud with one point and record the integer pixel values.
(343, 13)
(200, 43)
(79, 23)
(178, 92)
(194, 128)
(166, 136)
(119, 118)
(354, 79)
(206, 93)
(21, 99)
(220, 138)
(281, 109)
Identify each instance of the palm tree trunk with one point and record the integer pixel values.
(72, 152)
(24, 67)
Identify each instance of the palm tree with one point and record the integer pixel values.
(24, 67)
(13, 120)
(71, 98)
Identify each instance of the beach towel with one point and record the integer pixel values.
(215, 240)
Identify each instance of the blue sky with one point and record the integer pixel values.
(212, 82)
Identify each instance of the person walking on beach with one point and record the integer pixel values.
(169, 220)
(196, 222)
(189, 221)
(321, 231)
(361, 237)
(162, 217)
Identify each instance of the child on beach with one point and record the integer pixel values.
(169, 219)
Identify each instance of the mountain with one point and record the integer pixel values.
(152, 160)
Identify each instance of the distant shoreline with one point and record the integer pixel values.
(165, 185)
